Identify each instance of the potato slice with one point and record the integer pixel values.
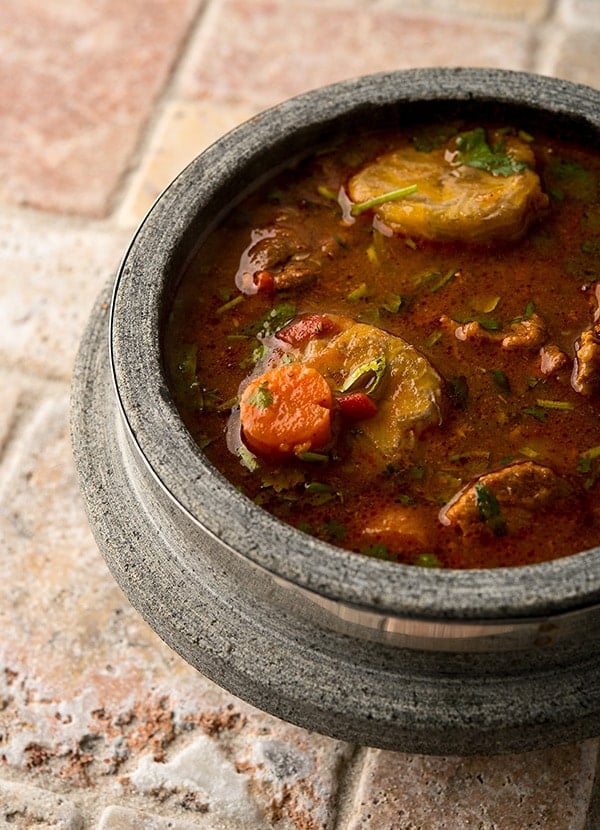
(408, 395)
(453, 201)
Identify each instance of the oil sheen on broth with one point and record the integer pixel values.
(394, 346)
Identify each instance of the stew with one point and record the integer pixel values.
(394, 345)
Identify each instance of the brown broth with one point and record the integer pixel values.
(210, 340)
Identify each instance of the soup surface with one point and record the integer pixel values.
(394, 346)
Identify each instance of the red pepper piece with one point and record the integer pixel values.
(306, 328)
(357, 406)
(264, 282)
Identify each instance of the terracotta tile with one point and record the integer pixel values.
(548, 789)
(582, 12)
(184, 131)
(98, 68)
(50, 274)
(89, 695)
(34, 807)
(527, 10)
(250, 52)
(122, 818)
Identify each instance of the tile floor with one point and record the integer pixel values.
(101, 725)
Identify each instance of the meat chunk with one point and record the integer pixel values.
(505, 500)
(454, 200)
(288, 251)
(585, 378)
(552, 359)
(529, 333)
(471, 330)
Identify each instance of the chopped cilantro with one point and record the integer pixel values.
(535, 412)
(358, 293)
(527, 313)
(489, 509)
(262, 398)
(458, 391)
(487, 323)
(427, 560)
(584, 465)
(376, 551)
(444, 280)
(332, 531)
(272, 321)
(313, 457)
(564, 177)
(474, 151)
(501, 381)
(392, 303)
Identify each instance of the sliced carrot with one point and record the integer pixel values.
(286, 410)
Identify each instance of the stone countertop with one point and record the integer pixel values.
(101, 725)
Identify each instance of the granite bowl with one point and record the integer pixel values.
(375, 653)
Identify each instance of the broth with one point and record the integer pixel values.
(395, 369)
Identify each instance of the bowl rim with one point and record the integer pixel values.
(188, 208)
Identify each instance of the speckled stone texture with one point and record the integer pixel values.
(101, 725)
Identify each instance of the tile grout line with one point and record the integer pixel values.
(351, 777)
(191, 34)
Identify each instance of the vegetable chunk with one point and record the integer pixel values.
(406, 387)
(286, 411)
(473, 197)
(505, 500)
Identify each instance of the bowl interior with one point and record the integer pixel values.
(166, 241)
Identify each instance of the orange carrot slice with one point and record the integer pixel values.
(286, 410)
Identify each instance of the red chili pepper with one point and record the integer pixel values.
(307, 327)
(357, 406)
(263, 280)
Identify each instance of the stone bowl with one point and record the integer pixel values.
(371, 652)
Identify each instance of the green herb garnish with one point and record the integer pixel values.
(392, 303)
(501, 380)
(458, 391)
(444, 280)
(427, 560)
(565, 406)
(358, 293)
(569, 178)
(376, 551)
(535, 412)
(474, 151)
(489, 509)
(527, 314)
(487, 323)
(272, 321)
(584, 465)
(367, 377)
(390, 196)
(313, 457)
(262, 398)
(332, 531)
(230, 304)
